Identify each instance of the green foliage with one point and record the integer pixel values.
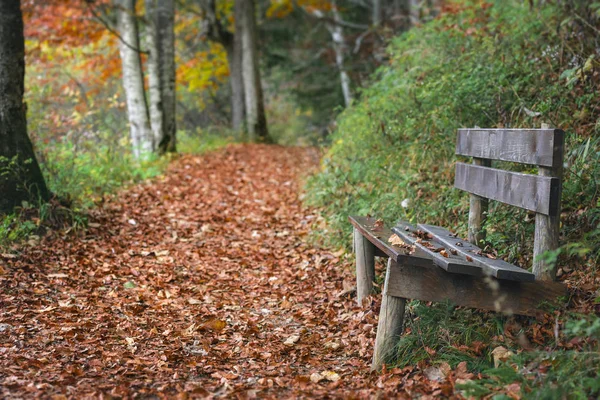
(12, 229)
(202, 141)
(85, 175)
(493, 66)
(558, 374)
(440, 333)
(289, 124)
(496, 64)
(86, 172)
(81, 174)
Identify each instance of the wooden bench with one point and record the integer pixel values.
(430, 263)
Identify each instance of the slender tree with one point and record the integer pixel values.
(376, 12)
(20, 175)
(339, 48)
(155, 104)
(165, 34)
(245, 27)
(133, 79)
(233, 47)
(414, 11)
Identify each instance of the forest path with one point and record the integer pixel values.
(201, 282)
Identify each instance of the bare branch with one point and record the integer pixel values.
(108, 27)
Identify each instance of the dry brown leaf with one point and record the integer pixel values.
(330, 376)
(292, 340)
(500, 355)
(316, 377)
(396, 240)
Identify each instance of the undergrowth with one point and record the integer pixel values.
(500, 64)
(490, 64)
(567, 368)
(81, 174)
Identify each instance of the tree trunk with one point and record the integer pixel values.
(238, 106)
(153, 68)
(339, 47)
(413, 11)
(20, 176)
(166, 43)
(233, 47)
(376, 12)
(133, 80)
(256, 122)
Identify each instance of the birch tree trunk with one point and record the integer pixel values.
(153, 68)
(20, 175)
(339, 48)
(256, 121)
(166, 45)
(133, 80)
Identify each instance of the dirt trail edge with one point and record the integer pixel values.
(197, 284)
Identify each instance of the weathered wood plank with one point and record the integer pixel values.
(379, 236)
(526, 146)
(531, 192)
(389, 327)
(434, 284)
(547, 227)
(497, 268)
(365, 266)
(451, 263)
(478, 207)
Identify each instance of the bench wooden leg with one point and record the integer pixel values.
(390, 325)
(365, 266)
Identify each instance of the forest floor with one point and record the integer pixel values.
(200, 283)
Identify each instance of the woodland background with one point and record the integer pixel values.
(381, 87)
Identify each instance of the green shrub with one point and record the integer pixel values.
(492, 64)
(81, 174)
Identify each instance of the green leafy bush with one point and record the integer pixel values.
(81, 173)
(495, 64)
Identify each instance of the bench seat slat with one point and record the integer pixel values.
(531, 192)
(379, 236)
(497, 268)
(526, 146)
(451, 263)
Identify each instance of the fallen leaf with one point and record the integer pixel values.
(332, 345)
(500, 355)
(437, 373)
(292, 340)
(58, 276)
(396, 240)
(330, 376)
(214, 325)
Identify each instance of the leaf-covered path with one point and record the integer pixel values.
(199, 283)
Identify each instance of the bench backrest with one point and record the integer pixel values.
(539, 193)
